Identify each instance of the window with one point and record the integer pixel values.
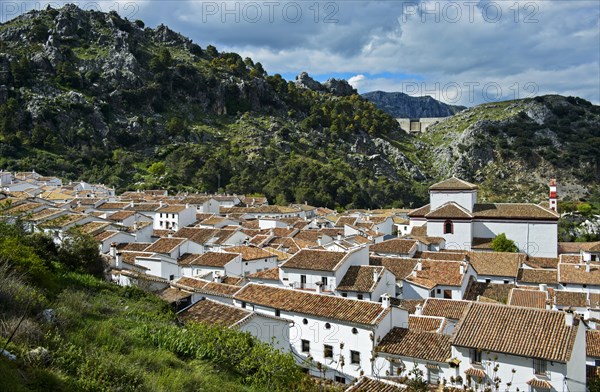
(433, 376)
(359, 296)
(304, 321)
(324, 281)
(488, 281)
(244, 305)
(539, 366)
(354, 357)
(327, 351)
(506, 282)
(475, 356)
(277, 312)
(171, 277)
(340, 379)
(344, 295)
(305, 346)
(354, 331)
(439, 291)
(448, 227)
(448, 294)
(327, 326)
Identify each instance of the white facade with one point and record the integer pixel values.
(465, 199)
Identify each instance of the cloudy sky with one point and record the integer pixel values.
(463, 52)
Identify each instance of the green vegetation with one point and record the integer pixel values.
(502, 244)
(102, 337)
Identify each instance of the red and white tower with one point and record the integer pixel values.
(553, 196)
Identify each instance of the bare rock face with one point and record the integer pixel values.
(305, 81)
(339, 87)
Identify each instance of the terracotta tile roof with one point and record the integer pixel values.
(528, 298)
(326, 306)
(570, 298)
(62, 221)
(571, 259)
(233, 280)
(526, 332)
(538, 383)
(542, 262)
(429, 346)
(281, 256)
(269, 274)
(448, 308)
(537, 276)
(165, 245)
(103, 236)
(120, 215)
(198, 235)
(268, 209)
(409, 304)
(592, 343)
(513, 211)
(496, 263)
(576, 247)
(438, 273)
(419, 212)
(171, 294)
(208, 259)
(172, 208)
(473, 372)
(400, 267)
(144, 207)
(577, 273)
(117, 206)
(398, 246)
(359, 278)
(453, 184)
(366, 384)
(129, 257)
(482, 243)
(308, 235)
(93, 227)
(319, 260)
(594, 301)
(258, 240)
(284, 232)
(134, 246)
(449, 210)
(206, 287)
(345, 220)
(249, 252)
(214, 313)
(425, 323)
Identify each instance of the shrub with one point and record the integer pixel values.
(503, 244)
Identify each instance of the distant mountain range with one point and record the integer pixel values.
(401, 105)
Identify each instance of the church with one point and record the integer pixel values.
(454, 215)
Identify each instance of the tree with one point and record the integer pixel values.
(79, 251)
(503, 244)
(584, 209)
(416, 383)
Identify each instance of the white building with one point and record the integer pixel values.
(338, 334)
(174, 217)
(454, 214)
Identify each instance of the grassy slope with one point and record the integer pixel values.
(100, 345)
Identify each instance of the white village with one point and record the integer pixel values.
(365, 298)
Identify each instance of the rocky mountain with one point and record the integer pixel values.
(514, 147)
(85, 94)
(401, 105)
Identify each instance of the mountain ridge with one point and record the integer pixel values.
(89, 94)
(402, 105)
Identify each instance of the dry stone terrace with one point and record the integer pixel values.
(365, 294)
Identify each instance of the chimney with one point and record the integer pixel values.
(385, 301)
(118, 260)
(587, 266)
(419, 266)
(569, 319)
(170, 234)
(113, 249)
(160, 203)
(543, 287)
(375, 275)
(418, 310)
(319, 287)
(217, 278)
(320, 241)
(553, 200)
(462, 269)
(339, 237)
